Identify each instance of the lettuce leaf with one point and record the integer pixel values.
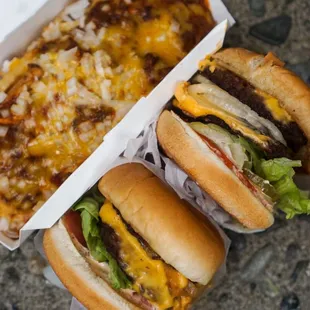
(294, 203)
(253, 154)
(276, 168)
(280, 172)
(89, 209)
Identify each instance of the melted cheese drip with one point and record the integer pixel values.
(160, 282)
(204, 107)
(272, 104)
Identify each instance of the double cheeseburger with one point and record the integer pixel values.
(139, 246)
(238, 128)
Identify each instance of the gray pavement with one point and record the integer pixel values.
(268, 270)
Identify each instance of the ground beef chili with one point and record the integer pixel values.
(245, 92)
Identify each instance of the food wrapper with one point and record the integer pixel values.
(130, 127)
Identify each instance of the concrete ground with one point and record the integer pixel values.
(268, 270)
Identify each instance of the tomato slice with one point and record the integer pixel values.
(215, 149)
(73, 223)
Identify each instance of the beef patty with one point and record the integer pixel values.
(245, 92)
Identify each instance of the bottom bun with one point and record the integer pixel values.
(75, 273)
(188, 150)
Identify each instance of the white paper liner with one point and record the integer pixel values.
(145, 145)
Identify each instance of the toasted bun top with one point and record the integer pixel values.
(268, 74)
(192, 246)
(75, 273)
(191, 153)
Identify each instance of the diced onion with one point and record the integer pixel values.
(5, 113)
(21, 184)
(100, 127)
(4, 224)
(76, 9)
(105, 90)
(6, 66)
(3, 131)
(52, 32)
(30, 123)
(86, 126)
(4, 184)
(85, 97)
(87, 136)
(3, 95)
(39, 87)
(65, 57)
(19, 109)
(87, 63)
(175, 27)
(71, 86)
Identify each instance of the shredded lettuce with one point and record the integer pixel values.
(253, 153)
(89, 207)
(279, 172)
(224, 140)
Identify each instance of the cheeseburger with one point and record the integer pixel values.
(238, 128)
(134, 245)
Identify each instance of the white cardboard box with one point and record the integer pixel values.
(116, 140)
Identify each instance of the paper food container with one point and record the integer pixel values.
(129, 128)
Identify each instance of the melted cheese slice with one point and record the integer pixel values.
(152, 278)
(6, 210)
(157, 37)
(272, 104)
(201, 106)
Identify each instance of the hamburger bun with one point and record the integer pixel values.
(192, 246)
(190, 152)
(183, 240)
